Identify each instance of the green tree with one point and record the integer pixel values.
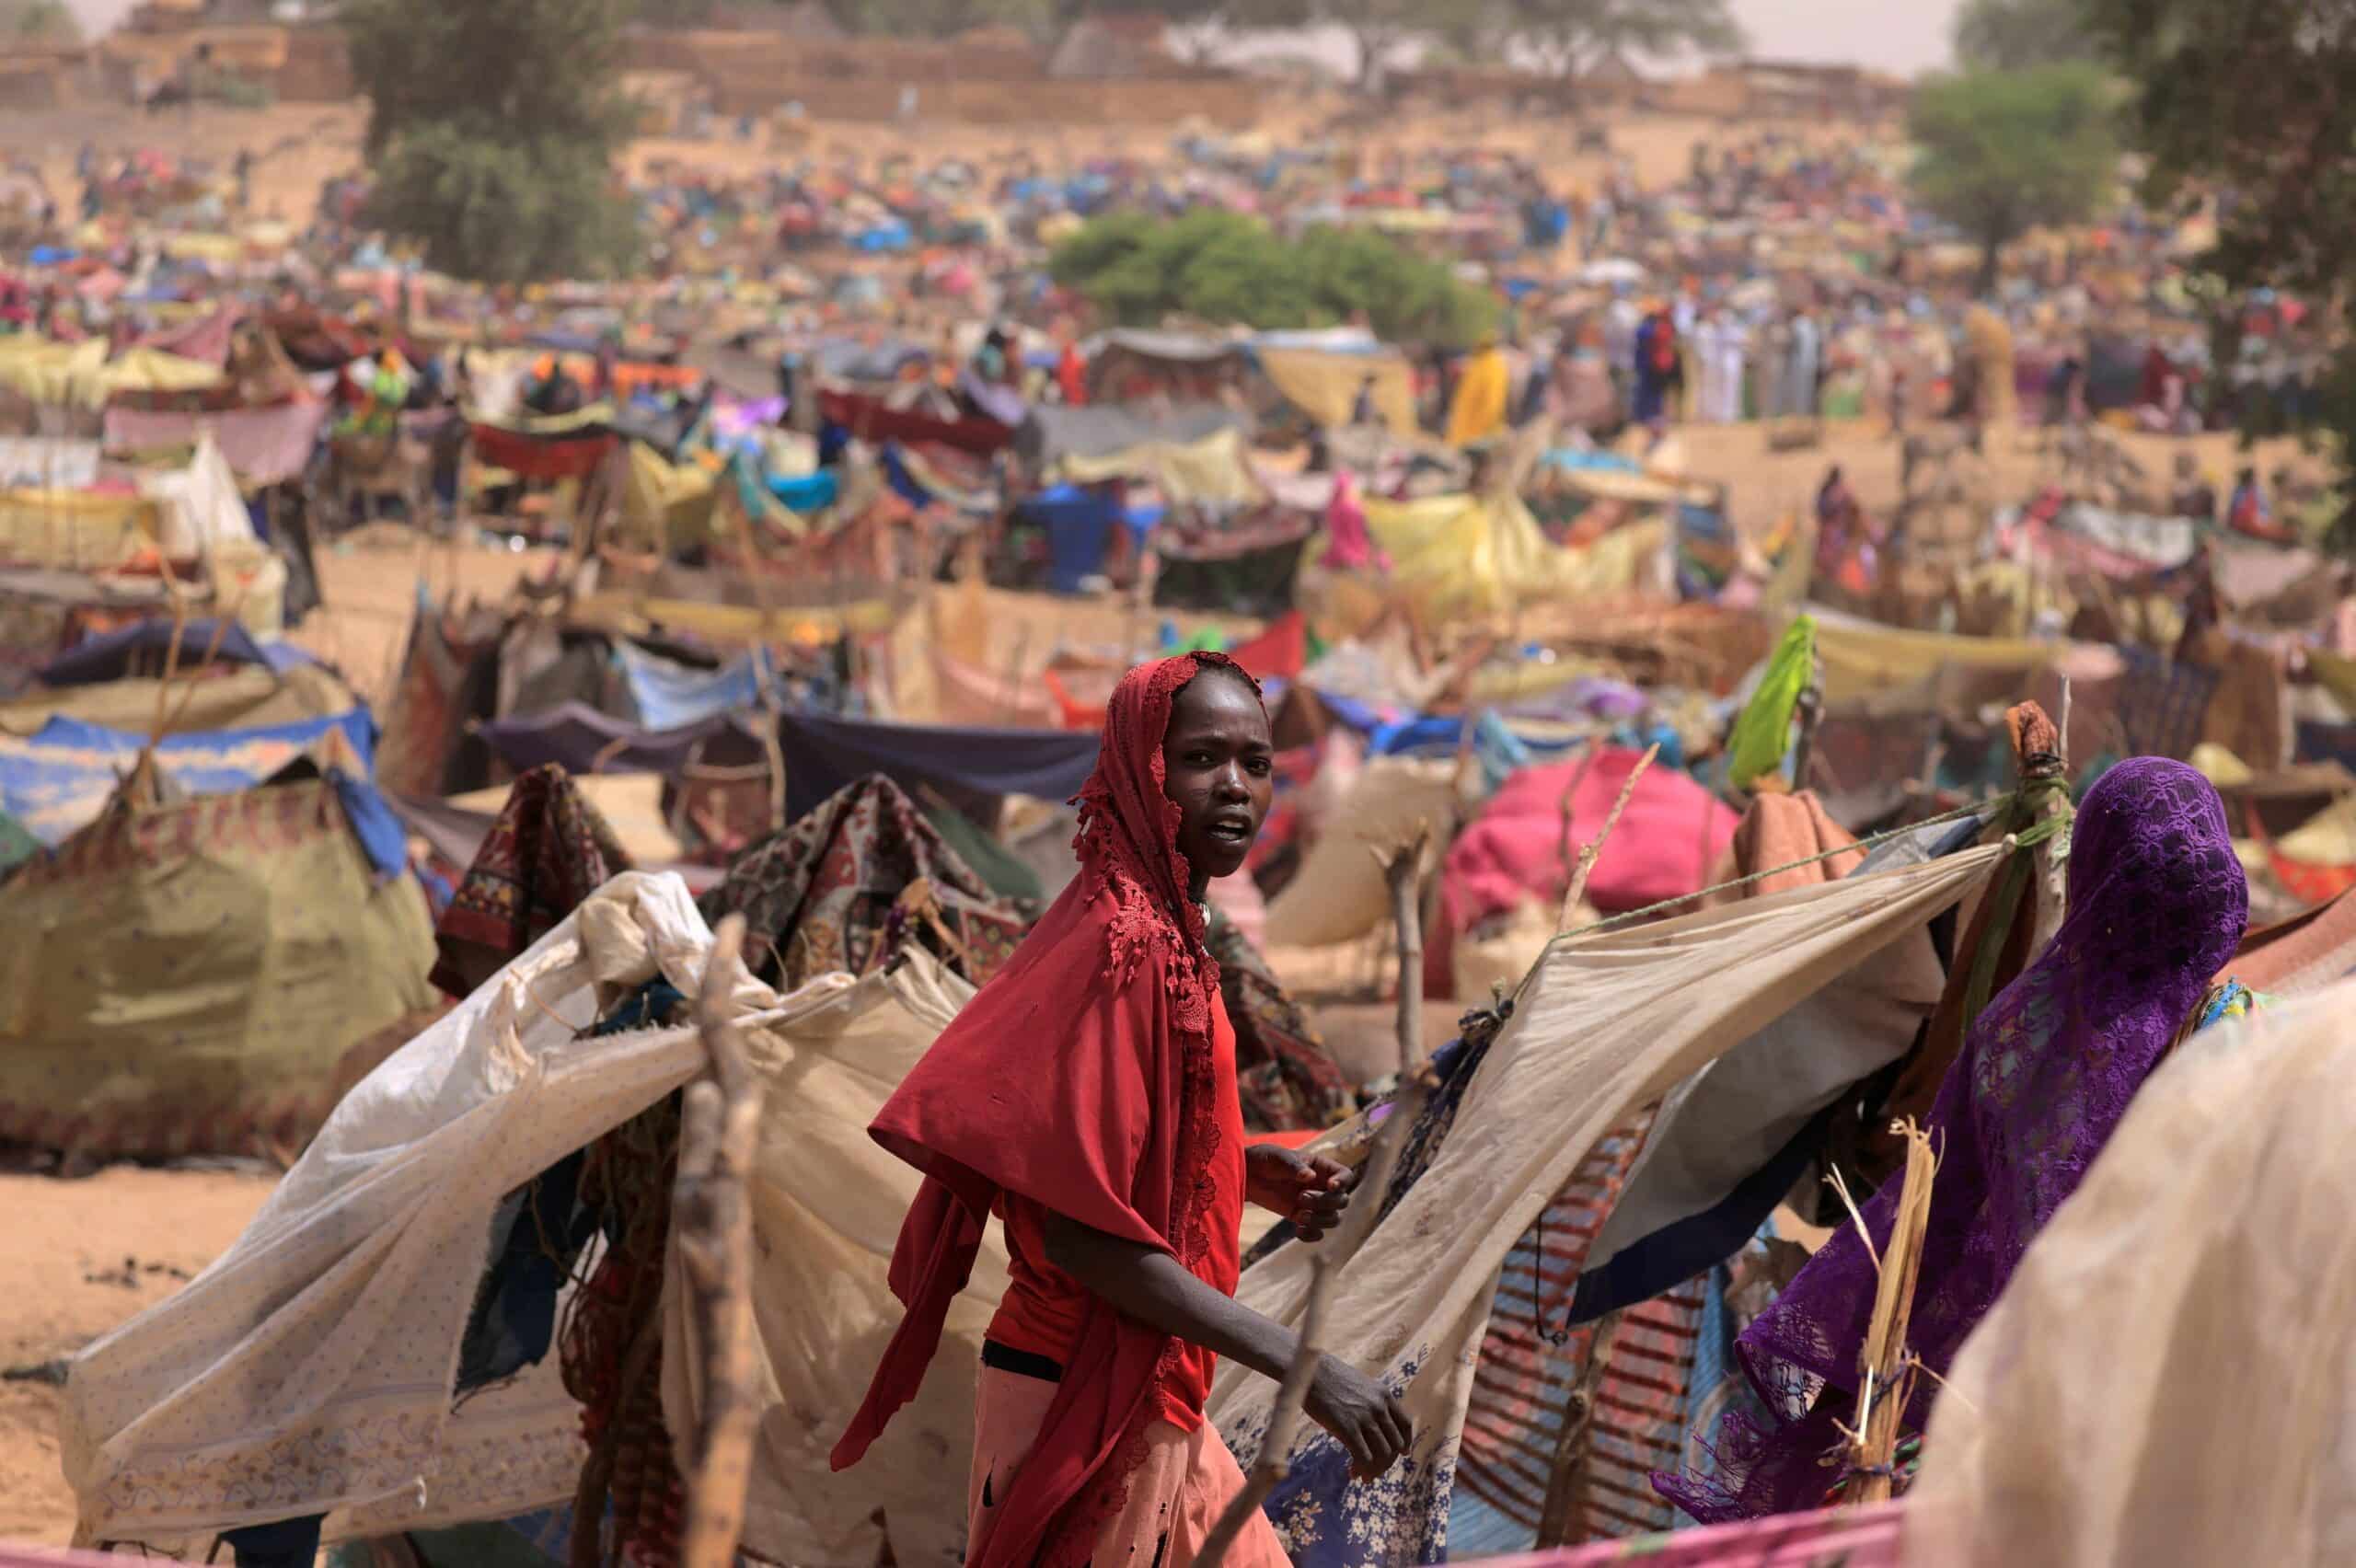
(42, 21)
(2014, 35)
(491, 129)
(1227, 269)
(2000, 152)
(1566, 37)
(2249, 100)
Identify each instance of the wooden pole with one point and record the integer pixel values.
(1594, 851)
(712, 1218)
(1886, 1370)
(1403, 873)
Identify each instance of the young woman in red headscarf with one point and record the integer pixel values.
(1087, 1096)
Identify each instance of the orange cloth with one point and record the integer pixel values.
(1173, 1498)
(1041, 1311)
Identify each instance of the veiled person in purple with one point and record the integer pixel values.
(2158, 903)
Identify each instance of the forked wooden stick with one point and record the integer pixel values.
(1403, 873)
(713, 1218)
(1886, 1370)
(1594, 850)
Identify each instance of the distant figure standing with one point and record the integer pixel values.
(2193, 496)
(1659, 369)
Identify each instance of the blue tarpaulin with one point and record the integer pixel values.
(670, 696)
(56, 781)
(1079, 521)
(968, 767)
(582, 740)
(110, 657)
(904, 483)
(806, 493)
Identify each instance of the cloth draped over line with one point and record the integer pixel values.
(821, 895)
(2219, 1209)
(362, 1269)
(968, 767)
(1604, 1025)
(824, 893)
(549, 850)
(1112, 1127)
(1681, 1257)
(2157, 902)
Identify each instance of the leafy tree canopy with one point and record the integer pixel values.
(1570, 36)
(1226, 268)
(2001, 152)
(2014, 35)
(491, 129)
(2251, 98)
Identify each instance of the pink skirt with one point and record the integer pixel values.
(1174, 1498)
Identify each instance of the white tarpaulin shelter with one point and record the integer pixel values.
(1604, 1025)
(198, 508)
(311, 1369)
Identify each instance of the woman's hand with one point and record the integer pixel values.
(1367, 1418)
(1308, 1190)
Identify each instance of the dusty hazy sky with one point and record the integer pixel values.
(1891, 35)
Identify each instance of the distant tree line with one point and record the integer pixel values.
(1560, 38)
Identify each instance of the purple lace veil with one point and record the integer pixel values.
(2157, 905)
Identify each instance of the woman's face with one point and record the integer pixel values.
(1218, 769)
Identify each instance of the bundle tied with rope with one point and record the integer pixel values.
(2018, 912)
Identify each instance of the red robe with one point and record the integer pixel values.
(1081, 1076)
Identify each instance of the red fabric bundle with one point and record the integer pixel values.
(1671, 834)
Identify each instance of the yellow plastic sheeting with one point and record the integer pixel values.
(75, 528)
(2326, 838)
(1325, 386)
(81, 374)
(1211, 472)
(1470, 554)
(266, 948)
(1478, 409)
(2221, 766)
(1861, 659)
(2338, 675)
(667, 504)
(221, 248)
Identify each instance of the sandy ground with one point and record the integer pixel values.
(297, 147)
(82, 1257)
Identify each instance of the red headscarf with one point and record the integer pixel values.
(1080, 1078)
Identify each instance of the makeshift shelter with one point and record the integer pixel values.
(1471, 553)
(59, 778)
(969, 767)
(1324, 383)
(366, 1264)
(188, 978)
(1129, 365)
(2216, 1210)
(1605, 1024)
